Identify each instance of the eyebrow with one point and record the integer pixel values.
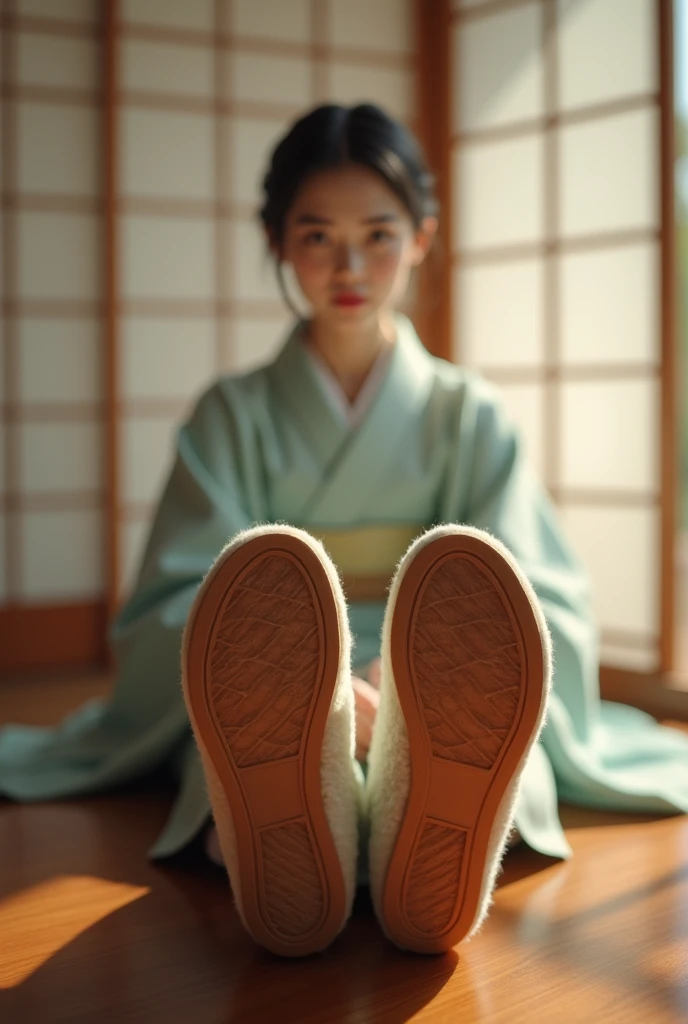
(383, 218)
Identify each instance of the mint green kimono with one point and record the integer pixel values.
(435, 446)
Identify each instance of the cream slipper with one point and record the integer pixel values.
(466, 669)
(267, 683)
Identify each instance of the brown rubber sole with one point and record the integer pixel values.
(262, 658)
(467, 658)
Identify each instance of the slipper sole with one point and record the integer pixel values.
(262, 659)
(468, 664)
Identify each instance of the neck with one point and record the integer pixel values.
(351, 354)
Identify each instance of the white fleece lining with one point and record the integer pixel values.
(341, 787)
(389, 768)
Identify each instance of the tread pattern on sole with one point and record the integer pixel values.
(434, 879)
(293, 894)
(263, 662)
(467, 665)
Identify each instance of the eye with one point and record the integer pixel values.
(316, 238)
(381, 235)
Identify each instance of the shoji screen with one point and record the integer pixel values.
(204, 90)
(51, 449)
(556, 237)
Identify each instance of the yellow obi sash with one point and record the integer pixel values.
(367, 556)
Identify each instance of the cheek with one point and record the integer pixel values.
(312, 268)
(386, 268)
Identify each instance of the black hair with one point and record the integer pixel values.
(332, 136)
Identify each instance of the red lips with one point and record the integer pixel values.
(348, 299)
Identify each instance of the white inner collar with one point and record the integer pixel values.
(350, 413)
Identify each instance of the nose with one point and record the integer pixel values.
(350, 259)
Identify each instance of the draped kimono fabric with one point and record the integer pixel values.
(434, 447)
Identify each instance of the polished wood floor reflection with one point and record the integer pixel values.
(90, 931)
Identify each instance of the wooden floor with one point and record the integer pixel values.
(90, 931)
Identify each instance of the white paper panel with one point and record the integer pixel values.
(361, 25)
(271, 19)
(610, 305)
(250, 146)
(268, 79)
(166, 358)
(166, 155)
(610, 435)
(61, 10)
(51, 60)
(525, 405)
(59, 360)
(147, 453)
(620, 549)
(56, 458)
(497, 69)
(256, 341)
(606, 50)
(43, 270)
(253, 275)
(62, 555)
(167, 258)
(643, 659)
(500, 314)
(133, 536)
(58, 149)
(177, 14)
(609, 174)
(499, 190)
(390, 88)
(162, 67)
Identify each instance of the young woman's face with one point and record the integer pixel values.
(352, 244)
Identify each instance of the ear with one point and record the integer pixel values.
(423, 239)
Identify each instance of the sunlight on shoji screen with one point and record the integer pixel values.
(371, 54)
(606, 51)
(609, 315)
(270, 78)
(166, 176)
(499, 215)
(56, 485)
(256, 330)
(557, 271)
(271, 74)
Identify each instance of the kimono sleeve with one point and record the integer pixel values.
(205, 502)
(501, 494)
